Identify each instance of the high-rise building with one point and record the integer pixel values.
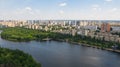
(105, 27)
(108, 28)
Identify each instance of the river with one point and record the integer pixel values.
(63, 54)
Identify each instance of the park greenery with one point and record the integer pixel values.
(16, 58)
(23, 34)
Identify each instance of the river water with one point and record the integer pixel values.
(63, 54)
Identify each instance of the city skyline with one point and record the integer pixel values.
(59, 9)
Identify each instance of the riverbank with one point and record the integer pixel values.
(23, 35)
(82, 44)
(87, 45)
(97, 47)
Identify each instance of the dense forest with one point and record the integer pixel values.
(16, 58)
(23, 34)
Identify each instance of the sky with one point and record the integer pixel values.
(59, 9)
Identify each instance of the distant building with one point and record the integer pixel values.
(74, 32)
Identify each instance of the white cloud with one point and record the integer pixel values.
(63, 4)
(21, 13)
(114, 9)
(96, 12)
(96, 7)
(28, 8)
(113, 13)
(108, 0)
(61, 11)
